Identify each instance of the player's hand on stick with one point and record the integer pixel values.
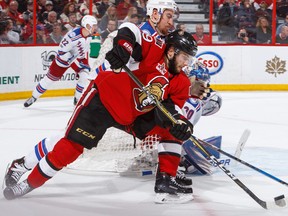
(182, 130)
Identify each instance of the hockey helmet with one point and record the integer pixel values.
(88, 20)
(161, 6)
(182, 41)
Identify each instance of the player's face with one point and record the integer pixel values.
(166, 22)
(182, 60)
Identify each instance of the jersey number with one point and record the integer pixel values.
(189, 112)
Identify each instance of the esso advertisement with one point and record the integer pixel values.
(212, 61)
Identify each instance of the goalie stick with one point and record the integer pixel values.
(263, 204)
(242, 142)
(244, 162)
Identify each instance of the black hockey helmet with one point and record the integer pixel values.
(182, 41)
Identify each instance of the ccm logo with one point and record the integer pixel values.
(85, 133)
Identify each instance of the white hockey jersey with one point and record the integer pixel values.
(73, 46)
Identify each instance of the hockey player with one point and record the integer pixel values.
(97, 110)
(72, 52)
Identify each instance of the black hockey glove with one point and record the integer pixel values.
(183, 130)
(123, 47)
(160, 118)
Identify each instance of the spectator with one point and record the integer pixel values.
(51, 20)
(123, 8)
(263, 10)
(56, 35)
(13, 13)
(60, 4)
(132, 10)
(282, 37)
(280, 26)
(40, 35)
(72, 22)
(84, 9)
(246, 15)
(112, 26)
(135, 18)
(263, 31)
(4, 4)
(30, 9)
(48, 8)
(41, 7)
(102, 7)
(181, 26)
(243, 37)
(141, 8)
(3, 32)
(199, 35)
(226, 20)
(110, 14)
(257, 4)
(13, 36)
(68, 9)
(27, 30)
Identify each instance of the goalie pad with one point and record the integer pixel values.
(194, 161)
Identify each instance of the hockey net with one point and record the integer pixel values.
(119, 152)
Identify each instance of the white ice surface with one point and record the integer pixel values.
(264, 113)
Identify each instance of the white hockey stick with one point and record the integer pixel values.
(241, 144)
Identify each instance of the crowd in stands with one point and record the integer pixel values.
(237, 21)
(56, 17)
(249, 22)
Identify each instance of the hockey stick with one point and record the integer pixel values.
(263, 204)
(243, 162)
(242, 142)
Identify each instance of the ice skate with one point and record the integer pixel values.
(182, 179)
(169, 191)
(14, 172)
(29, 101)
(17, 190)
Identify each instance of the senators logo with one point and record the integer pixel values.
(156, 87)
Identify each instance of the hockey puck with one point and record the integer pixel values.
(280, 201)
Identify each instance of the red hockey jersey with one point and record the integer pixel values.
(125, 100)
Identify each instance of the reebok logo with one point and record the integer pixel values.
(127, 46)
(85, 133)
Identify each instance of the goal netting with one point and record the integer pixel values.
(119, 152)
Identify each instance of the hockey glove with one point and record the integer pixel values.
(182, 130)
(123, 47)
(161, 119)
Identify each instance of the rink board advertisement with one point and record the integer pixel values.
(23, 67)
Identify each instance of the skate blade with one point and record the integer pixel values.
(165, 198)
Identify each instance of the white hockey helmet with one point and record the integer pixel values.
(161, 6)
(90, 20)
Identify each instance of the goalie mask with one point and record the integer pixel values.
(199, 71)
